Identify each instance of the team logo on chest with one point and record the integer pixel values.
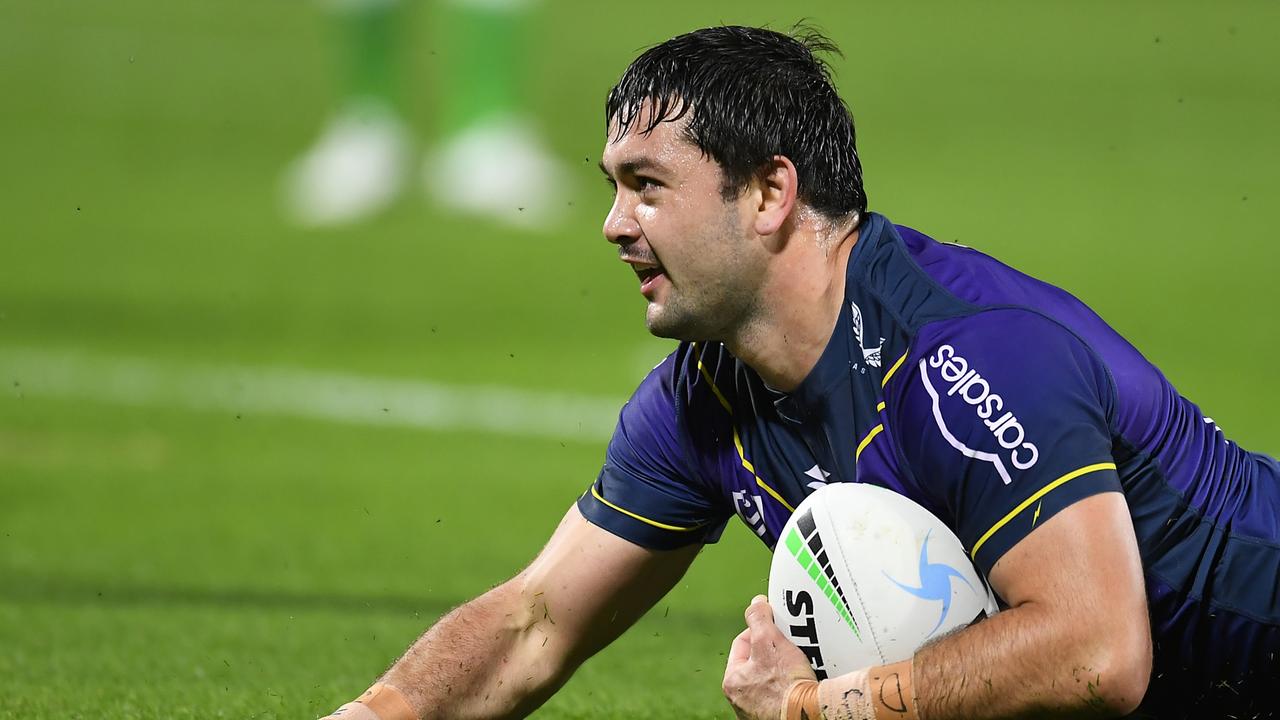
(869, 355)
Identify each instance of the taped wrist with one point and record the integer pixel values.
(379, 702)
(886, 692)
(802, 701)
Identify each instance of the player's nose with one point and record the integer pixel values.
(620, 226)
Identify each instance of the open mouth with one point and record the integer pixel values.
(649, 278)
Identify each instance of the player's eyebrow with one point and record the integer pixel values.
(632, 166)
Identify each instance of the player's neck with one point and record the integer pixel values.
(783, 341)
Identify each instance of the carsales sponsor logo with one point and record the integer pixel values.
(966, 383)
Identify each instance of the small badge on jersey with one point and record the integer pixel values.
(818, 477)
(869, 355)
(947, 373)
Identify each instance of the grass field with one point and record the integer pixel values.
(180, 542)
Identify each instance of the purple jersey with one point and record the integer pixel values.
(995, 401)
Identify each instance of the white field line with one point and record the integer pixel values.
(308, 394)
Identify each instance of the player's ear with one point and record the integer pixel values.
(778, 185)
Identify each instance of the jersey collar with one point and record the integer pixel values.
(833, 365)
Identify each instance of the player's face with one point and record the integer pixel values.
(690, 248)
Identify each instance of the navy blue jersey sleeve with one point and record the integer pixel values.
(648, 492)
(1003, 422)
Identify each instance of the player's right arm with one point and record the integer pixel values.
(504, 653)
(618, 550)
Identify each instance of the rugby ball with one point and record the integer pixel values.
(863, 576)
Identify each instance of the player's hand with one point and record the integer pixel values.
(763, 665)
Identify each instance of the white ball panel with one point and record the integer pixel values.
(864, 576)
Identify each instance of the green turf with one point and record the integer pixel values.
(159, 562)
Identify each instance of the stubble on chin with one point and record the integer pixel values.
(659, 322)
(664, 321)
(672, 322)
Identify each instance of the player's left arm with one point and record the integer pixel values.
(1076, 639)
(1074, 643)
(1012, 442)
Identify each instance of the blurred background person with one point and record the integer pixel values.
(490, 159)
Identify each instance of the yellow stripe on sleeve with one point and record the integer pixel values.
(1039, 494)
(641, 518)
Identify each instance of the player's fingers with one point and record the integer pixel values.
(759, 615)
(740, 650)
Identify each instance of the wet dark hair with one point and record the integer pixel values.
(751, 94)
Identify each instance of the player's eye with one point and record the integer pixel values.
(646, 183)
